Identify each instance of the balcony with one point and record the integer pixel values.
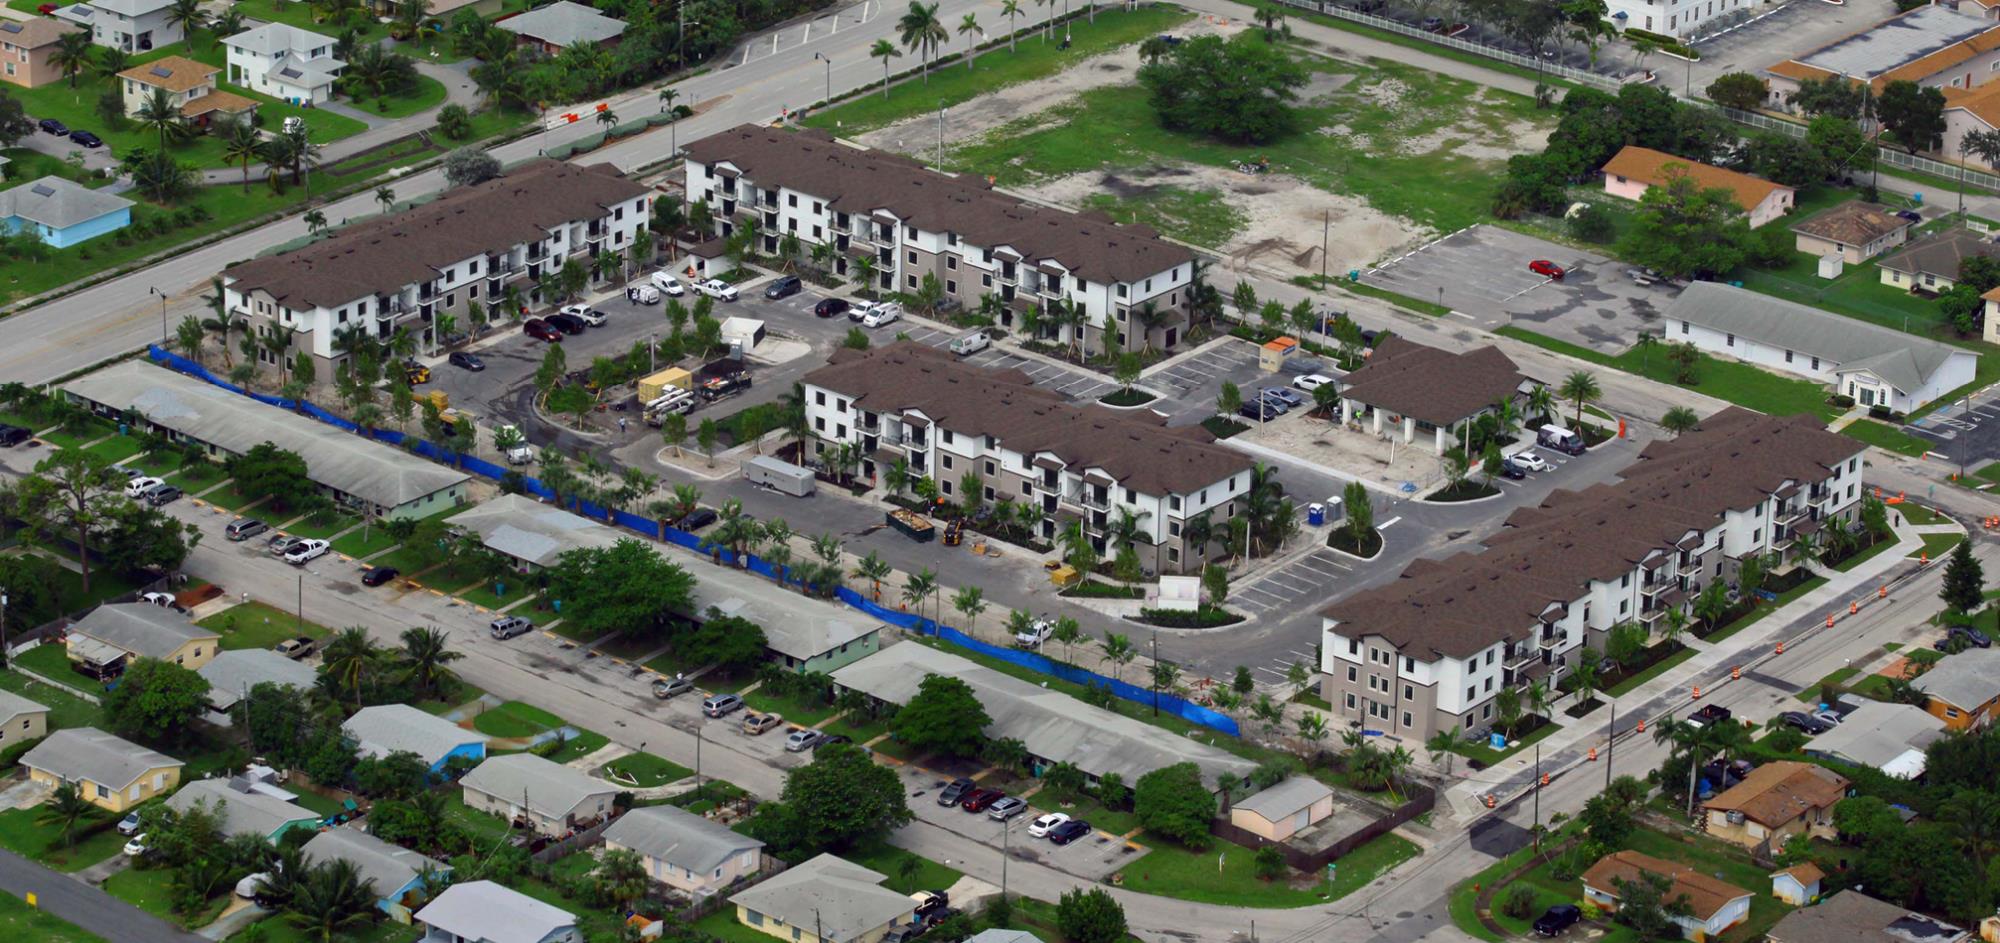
(1521, 656)
(1009, 275)
(1091, 498)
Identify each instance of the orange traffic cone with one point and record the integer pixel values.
(1642, 726)
(1736, 672)
(1697, 692)
(1593, 754)
(1829, 620)
(1781, 648)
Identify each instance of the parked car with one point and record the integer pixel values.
(541, 330)
(1311, 381)
(642, 294)
(831, 308)
(885, 313)
(1069, 831)
(1911, 215)
(244, 528)
(803, 739)
(282, 544)
(138, 487)
(978, 799)
(717, 387)
(1530, 461)
(1708, 715)
(784, 286)
(718, 289)
(567, 323)
(756, 724)
(584, 313)
(306, 551)
(1006, 807)
(1037, 632)
(1041, 827)
(1288, 397)
(1555, 920)
(162, 600)
(955, 791)
(1804, 723)
(1260, 409)
(507, 627)
(721, 705)
(137, 846)
(163, 495)
(1272, 404)
(931, 904)
(1828, 718)
(664, 688)
(129, 825)
(466, 361)
(1547, 269)
(696, 520)
(377, 575)
(11, 436)
(827, 740)
(251, 886)
(1971, 636)
(86, 139)
(1510, 470)
(52, 126)
(298, 648)
(667, 283)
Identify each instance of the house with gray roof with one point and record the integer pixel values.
(284, 62)
(21, 720)
(62, 212)
(400, 876)
(800, 633)
(531, 533)
(560, 25)
(552, 798)
(485, 912)
(134, 26)
(1885, 736)
(826, 898)
(115, 634)
(356, 471)
(399, 728)
(110, 771)
(1287, 808)
(1930, 265)
(1876, 366)
(245, 807)
(232, 674)
(1854, 917)
(685, 851)
(1963, 689)
(998, 935)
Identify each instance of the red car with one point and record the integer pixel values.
(1546, 267)
(46, 9)
(542, 330)
(978, 799)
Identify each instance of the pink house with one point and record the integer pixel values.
(1634, 170)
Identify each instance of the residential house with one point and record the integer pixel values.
(1990, 321)
(114, 635)
(1874, 365)
(685, 851)
(391, 728)
(1776, 801)
(189, 86)
(402, 878)
(920, 405)
(1634, 170)
(1881, 735)
(1428, 390)
(549, 797)
(61, 211)
(133, 26)
(1964, 689)
(1930, 265)
(1713, 905)
(1797, 885)
(1854, 917)
(800, 634)
(1292, 806)
(485, 912)
(1670, 17)
(21, 720)
(360, 474)
(998, 935)
(444, 10)
(1054, 727)
(232, 674)
(404, 269)
(25, 49)
(1933, 45)
(560, 25)
(1854, 231)
(284, 62)
(532, 534)
(113, 773)
(824, 900)
(1131, 288)
(246, 807)
(1968, 112)
(1430, 651)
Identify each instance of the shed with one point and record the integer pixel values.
(746, 332)
(1797, 885)
(1285, 809)
(1271, 357)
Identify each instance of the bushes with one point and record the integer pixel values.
(1592, 224)
(1207, 617)
(1518, 902)
(1663, 43)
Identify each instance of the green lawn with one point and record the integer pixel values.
(1764, 609)
(404, 559)
(322, 526)
(24, 165)
(1865, 555)
(1658, 668)
(426, 94)
(1738, 383)
(278, 930)
(858, 726)
(1486, 754)
(1836, 678)
(317, 803)
(1858, 293)
(259, 625)
(1919, 515)
(323, 126)
(1936, 546)
(1885, 436)
(723, 926)
(198, 478)
(152, 891)
(794, 710)
(90, 431)
(1120, 822)
(231, 497)
(1202, 217)
(583, 744)
(363, 543)
(483, 594)
(483, 827)
(65, 709)
(888, 859)
(645, 770)
(515, 719)
(1172, 871)
(18, 921)
(305, 16)
(94, 839)
(117, 448)
(51, 661)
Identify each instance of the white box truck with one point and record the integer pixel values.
(779, 476)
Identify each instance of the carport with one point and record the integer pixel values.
(1427, 389)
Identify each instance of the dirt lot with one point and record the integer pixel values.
(1361, 454)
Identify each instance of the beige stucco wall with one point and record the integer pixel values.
(155, 782)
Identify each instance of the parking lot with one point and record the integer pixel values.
(1193, 383)
(1482, 275)
(1092, 858)
(1967, 431)
(1309, 578)
(1078, 385)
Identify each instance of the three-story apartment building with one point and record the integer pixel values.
(1430, 651)
(1130, 287)
(407, 268)
(920, 405)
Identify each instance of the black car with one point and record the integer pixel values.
(1971, 636)
(1557, 919)
(954, 791)
(1260, 409)
(831, 308)
(86, 139)
(1709, 715)
(1510, 470)
(470, 362)
(566, 323)
(1069, 831)
(14, 435)
(161, 497)
(1804, 723)
(700, 518)
(52, 126)
(785, 287)
(832, 739)
(376, 576)
(933, 902)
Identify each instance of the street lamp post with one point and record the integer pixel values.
(163, 313)
(828, 101)
(940, 157)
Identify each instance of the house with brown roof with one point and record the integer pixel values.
(1932, 45)
(1930, 265)
(25, 48)
(1634, 170)
(1775, 802)
(1854, 231)
(189, 86)
(947, 420)
(915, 224)
(405, 269)
(1797, 885)
(1714, 905)
(1432, 649)
(1425, 390)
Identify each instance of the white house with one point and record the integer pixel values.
(1876, 366)
(1713, 905)
(1670, 17)
(131, 25)
(284, 62)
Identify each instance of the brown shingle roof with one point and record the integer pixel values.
(1548, 555)
(1803, 873)
(857, 181)
(1436, 386)
(1132, 447)
(1705, 894)
(1940, 254)
(35, 32)
(1982, 101)
(226, 102)
(1652, 167)
(387, 253)
(1778, 792)
(1853, 223)
(173, 73)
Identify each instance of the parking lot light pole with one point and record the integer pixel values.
(163, 314)
(829, 76)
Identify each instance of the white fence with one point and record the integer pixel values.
(1889, 155)
(1451, 42)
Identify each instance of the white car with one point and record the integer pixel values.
(141, 485)
(881, 314)
(586, 313)
(642, 294)
(251, 885)
(306, 550)
(718, 289)
(1040, 828)
(1312, 381)
(1531, 461)
(669, 284)
(129, 825)
(136, 847)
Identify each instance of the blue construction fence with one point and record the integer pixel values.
(655, 530)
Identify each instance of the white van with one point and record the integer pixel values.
(1560, 439)
(970, 344)
(666, 282)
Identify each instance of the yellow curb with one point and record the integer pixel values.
(1128, 836)
(436, 593)
(481, 608)
(618, 660)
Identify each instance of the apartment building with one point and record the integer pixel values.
(1430, 651)
(1672, 17)
(1131, 286)
(1932, 45)
(919, 404)
(408, 268)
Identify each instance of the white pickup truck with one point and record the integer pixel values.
(1036, 633)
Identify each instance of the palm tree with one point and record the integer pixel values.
(621, 877)
(223, 324)
(350, 659)
(1312, 729)
(970, 27)
(332, 899)
(1580, 387)
(112, 61)
(425, 656)
(241, 144)
(1680, 419)
(1010, 9)
(921, 30)
(315, 221)
(608, 119)
(918, 587)
(1701, 741)
(71, 55)
(188, 15)
(970, 601)
(1118, 651)
(1440, 745)
(885, 51)
(63, 810)
(387, 197)
(1067, 633)
(159, 112)
(1584, 675)
(873, 569)
(1541, 402)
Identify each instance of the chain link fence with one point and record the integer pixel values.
(1890, 156)
(1557, 70)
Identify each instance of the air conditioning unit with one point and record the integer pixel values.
(1735, 817)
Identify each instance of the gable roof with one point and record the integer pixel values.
(564, 24)
(544, 786)
(58, 203)
(274, 38)
(1778, 792)
(1287, 798)
(1653, 167)
(679, 838)
(1854, 917)
(1436, 386)
(141, 628)
(231, 674)
(1903, 360)
(35, 31)
(390, 867)
(1940, 253)
(1913, 45)
(791, 625)
(1705, 894)
(87, 753)
(14, 705)
(243, 811)
(838, 899)
(1888, 737)
(1965, 680)
(173, 73)
(490, 913)
(1805, 874)
(532, 532)
(1853, 223)
(388, 728)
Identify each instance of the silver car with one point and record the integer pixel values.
(1006, 808)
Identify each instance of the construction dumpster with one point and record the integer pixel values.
(655, 386)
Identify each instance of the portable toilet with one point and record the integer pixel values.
(1316, 514)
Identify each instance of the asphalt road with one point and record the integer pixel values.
(86, 906)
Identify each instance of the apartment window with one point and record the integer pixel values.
(1121, 289)
(1354, 646)
(819, 398)
(1409, 694)
(1173, 528)
(1131, 496)
(1026, 488)
(911, 279)
(945, 486)
(792, 199)
(1788, 356)
(913, 256)
(1489, 682)
(1350, 700)
(947, 435)
(986, 281)
(951, 286)
(1625, 580)
(910, 232)
(1815, 363)
(951, 262)
(1409, 664)
(1174, 503)
(816, 234)
(1486, 712)
(1684, 327)
(1489, 654)
(819, 423)
(1728, 340)
(1406, 718)
(986, 255)
(951, 238)
(1623, 606)
(1352, 673)
(945, 461)
(1471, 693)
(989, 468)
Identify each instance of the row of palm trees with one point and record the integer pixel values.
(923, 32)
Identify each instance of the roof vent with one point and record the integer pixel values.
(10, 27)
(43, 189)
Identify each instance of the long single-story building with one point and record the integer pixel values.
(831, 899)
(685, 851)
(1854, 231)
(115, 774)
(533, 534)
(356, 471)
(63, 213)
(1888, 737)
(1854, 917)
(112, 636)
(399, 728)
(401, 877)
(551, 798)
(1634, 170)
(244, 809)
(232, 674)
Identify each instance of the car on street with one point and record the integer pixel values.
(757, 724)
(1069, 831)
(297, 648)
(1710, 714)
(1285, 396)
(717, 387)
(1041, 827)
(668, 284)
(1555, 920)
(696, 519)
(163, 495)
(1006, 807)
(664, 688)
(954, 791)
(831, 307)
(507, 627)
(718, 289)
(888, 312)
(282, 544)
(466, 361)
(1547, 269)
(52, 126)
(567, 323)
(1804, 723)
(803, 739)
(85, 139)
(139, 486)
(784, 286)
(377, 575)
(721, 705)
(541, 330)
(129, 825)
(1311, 381)
(584, 313)
(1531, 461)
(978, 799)
(306, 551)
(137, 846)
(11, 435)
(1970, 636)
(642, 294)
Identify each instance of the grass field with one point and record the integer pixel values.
(360, 544)
(881, 856)
(646, 770)
(1885, 436)
(1658, 668)
(1172, 871)
(1920, 515)
(21, 834)
(259, 625)
(65, 709)
(426, 94)
(515, 719)
(1486, 754)
(18, 921)
(50, 661)
(1705, 855)
(278, 930)
(1936, 546)
(1764, 609)
(152, 891)
(1738, 383)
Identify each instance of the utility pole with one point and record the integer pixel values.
(1537, 786)
(1610, 744)
(302, 604)
(940, 157)
(698, 793)
(163, 314)
(1325, 232)
(1156, 672)
(1006, 844)
(829, 76)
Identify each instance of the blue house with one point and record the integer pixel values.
(62, 212)
(403, 880)
(399, 728)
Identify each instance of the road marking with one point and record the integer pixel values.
(1385, 525)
